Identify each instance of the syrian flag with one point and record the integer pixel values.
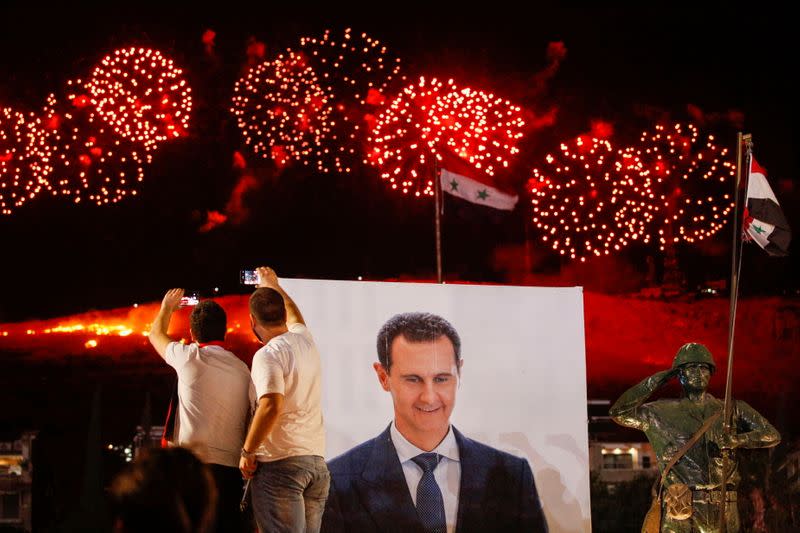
(764, 222)
(460, 179)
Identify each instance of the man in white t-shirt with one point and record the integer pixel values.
(284, 449)
(214, 398)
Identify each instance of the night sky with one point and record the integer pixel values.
(625, 67)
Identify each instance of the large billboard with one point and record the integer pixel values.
(521, 389)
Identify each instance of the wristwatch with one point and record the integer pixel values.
(247, 455)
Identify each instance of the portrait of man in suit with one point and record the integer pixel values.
(421, 474)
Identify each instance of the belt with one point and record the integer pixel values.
(712, 496)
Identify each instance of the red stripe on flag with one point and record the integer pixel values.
(756, 168)
(456, 164)
(459, 165)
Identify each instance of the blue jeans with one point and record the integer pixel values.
(289, 495)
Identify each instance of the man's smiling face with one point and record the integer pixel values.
(423, 380)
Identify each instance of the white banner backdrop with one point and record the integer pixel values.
(523, 383)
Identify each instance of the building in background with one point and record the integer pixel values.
(617, 454)
(16, 480)
(146, 438)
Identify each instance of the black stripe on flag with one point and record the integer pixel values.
(765, 210)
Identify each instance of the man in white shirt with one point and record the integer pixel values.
(284, 449)
(421, 474)
(214, 398)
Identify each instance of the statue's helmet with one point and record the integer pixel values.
(693, 353)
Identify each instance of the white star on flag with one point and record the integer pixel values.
(764, 221)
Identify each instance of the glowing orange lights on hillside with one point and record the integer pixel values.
(93, 328)
(312, 104)
(121, 330)
(116, 331)
(431, 117)
(142, 95)
(670, 188)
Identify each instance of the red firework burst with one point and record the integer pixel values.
(23, 172)
(142, 95)
(356, 71)
(282, 110)
(582, 201)
(430, 118)
(480, 127)
(88, 158)
(683, 183)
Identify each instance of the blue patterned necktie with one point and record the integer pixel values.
(430, 505)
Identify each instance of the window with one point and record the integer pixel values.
(645, 461)
(613, 461)
(11, 464)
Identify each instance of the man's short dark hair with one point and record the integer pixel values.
(208, 322)
(267, 307)
(415, 327)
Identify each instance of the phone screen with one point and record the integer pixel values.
(248, 277)
(190, 299)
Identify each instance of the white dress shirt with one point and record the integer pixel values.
(447, 472)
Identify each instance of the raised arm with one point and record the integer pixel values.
(158, 331)
(268, 278)
(627, 411)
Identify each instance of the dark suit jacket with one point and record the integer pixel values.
(369, 491)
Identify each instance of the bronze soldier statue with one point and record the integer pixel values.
(670, 423)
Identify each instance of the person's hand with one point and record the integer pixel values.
(267, 277)
(661, 378)
(172, 300)
(247, 465)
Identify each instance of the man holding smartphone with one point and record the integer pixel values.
(214, 397)
(284, 448)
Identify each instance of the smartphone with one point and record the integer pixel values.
(249, 277)
(189, 299)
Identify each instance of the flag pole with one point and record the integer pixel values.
(437, 196)
(736, 266)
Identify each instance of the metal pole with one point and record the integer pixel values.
(736, 263)
(437, 196)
